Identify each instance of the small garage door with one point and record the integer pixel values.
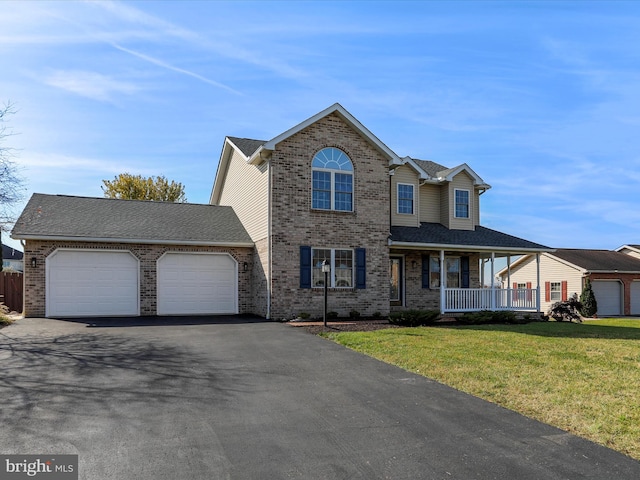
(635, 297)
(609, 297)
(197, 284)
(92, 283)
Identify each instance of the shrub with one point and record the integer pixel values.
(304, 315)
(377, 315)
(487, 316)
(413, 318)
(332, 314)
(4, 318)
(568, 311)
(354, 314)
(588, 301)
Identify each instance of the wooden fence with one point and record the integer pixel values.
(11, 286)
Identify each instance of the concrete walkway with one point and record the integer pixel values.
(233, 398)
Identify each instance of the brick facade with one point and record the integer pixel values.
(35, 292)
(295, 223)
(418, 298)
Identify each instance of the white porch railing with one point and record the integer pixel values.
(476, 299)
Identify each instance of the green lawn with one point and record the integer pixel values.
(583, 378)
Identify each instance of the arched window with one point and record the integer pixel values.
(332, 180)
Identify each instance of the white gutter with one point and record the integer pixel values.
(465, 248)
(133, 240)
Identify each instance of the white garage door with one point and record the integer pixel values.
(635, 298)
(609, 297)
(91, 283)
(197, 284)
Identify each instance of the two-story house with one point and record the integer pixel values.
(397, 233)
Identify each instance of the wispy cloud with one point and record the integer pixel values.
(90, 84)
(163, 64)
(36, 161)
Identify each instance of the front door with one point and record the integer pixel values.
(395, 280)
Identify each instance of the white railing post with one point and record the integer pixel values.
(493, 281)
(443, 283)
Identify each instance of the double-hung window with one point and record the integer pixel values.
(332, 180)
(556, 291)
(461, 203)
(452, 268)
(341, 263)
(405, 198)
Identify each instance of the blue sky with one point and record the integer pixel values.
(541, 99)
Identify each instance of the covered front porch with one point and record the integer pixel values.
(491, 295)
(454, 271)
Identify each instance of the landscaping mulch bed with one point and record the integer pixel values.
(343, 326)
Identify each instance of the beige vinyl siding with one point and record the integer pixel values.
(246, 190)
(461, 181)
(430, 203)
(551, 270)
(407, 175)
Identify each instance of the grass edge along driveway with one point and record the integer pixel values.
(582, 378)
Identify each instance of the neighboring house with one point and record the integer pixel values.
(633, 250)
(12, 259)
(614, 276)
(329, 190)
(104, 257)
(397, 233)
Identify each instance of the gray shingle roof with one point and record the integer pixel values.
(9, 253)
(61, 216)
(432, 168)
(599, 260)
(247, 145)
(438, 234)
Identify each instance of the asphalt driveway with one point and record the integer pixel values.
(232, 398)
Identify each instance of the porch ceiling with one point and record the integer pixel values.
(435, 236)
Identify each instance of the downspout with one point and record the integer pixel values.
(538, 281)
(24, 276)
(269, 247)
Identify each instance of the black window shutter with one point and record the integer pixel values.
(305, 267)
(465, 271)
(361, 268)
(425, 271)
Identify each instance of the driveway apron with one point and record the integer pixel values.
(233, 398)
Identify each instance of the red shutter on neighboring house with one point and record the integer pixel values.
(564, 291)
(528, 291)
(547, 291)
(515, 290)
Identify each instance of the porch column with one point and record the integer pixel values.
(443, 282)
(493, 281)
(509, 293)
(538, 282)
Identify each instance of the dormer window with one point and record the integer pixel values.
(332, 180)
(462, 203)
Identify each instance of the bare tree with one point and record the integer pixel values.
(11, 183)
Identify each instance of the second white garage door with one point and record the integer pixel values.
(609, 297)
(197, 284)
(635, 297)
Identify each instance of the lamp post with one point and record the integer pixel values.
(326, 268)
